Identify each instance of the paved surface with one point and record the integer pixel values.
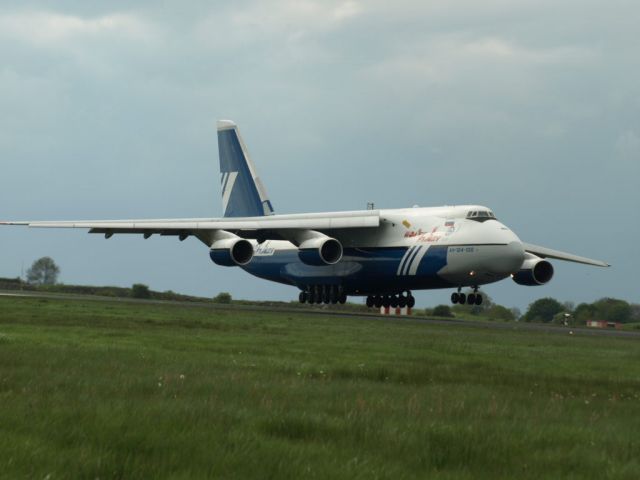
(514, 326)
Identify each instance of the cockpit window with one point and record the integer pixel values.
(481, 215)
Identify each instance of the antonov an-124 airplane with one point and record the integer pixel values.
(381, 254)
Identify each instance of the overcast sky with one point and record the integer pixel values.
(532, 107)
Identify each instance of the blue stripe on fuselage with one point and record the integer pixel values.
(434, 260)
(405, 259)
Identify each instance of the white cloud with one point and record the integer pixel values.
(501, 49)
(297, 15)
(46, 28)
(458, 63)
(274, 22)
(346, 10)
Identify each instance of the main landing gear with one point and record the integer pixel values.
(474, 298)
(323, 294)
(392, 301)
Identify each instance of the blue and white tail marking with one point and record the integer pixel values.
(243, 194)
(411, 260)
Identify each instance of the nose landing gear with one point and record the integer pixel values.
(474, 298)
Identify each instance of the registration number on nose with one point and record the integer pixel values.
(462, 249)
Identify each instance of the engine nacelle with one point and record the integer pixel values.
(230, 252)
(321, 250)
(534, 271)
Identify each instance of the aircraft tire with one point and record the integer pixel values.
(386, 301)
(462, 298)
(455, 297)
(317, 294)
(402, 301)
(411, 301)
(343, 298)
(377, 301)
(471, 299)
(370, 301)
(333, 294)
(303, 297)
(478, 299)
(393, 301)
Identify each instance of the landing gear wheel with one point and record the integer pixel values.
(370, 301)
(325, 295)
(411, 301)
(303, 297)
(471, 299)
(342, 299)
(317, 294)
(393, 301)
(478, 299)
(462, 298)
(386, 301)
(455, 297)
(402, 301)
(333, 295)
(377, 301)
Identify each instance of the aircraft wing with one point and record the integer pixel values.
(265, 227)
(549, 253)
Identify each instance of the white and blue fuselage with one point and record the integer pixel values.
(412, 249)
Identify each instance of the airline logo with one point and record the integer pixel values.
(228, 180)
(264, 250)
(411, 260)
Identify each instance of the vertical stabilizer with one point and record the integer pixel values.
(243, 194)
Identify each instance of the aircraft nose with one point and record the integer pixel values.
(510, 255)
(508, 258)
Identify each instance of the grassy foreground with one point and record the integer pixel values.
(104, 390)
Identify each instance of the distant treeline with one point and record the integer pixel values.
(544, 310)
(141, 291)
(136, 291)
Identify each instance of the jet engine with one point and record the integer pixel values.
(320, 250)
(230, 252)
(534, 271)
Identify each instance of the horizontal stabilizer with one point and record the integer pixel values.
(549, 253)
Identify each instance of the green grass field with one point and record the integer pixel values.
(92, 389)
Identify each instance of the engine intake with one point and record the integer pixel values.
(320, 251)
(534, 271)
(231, 252)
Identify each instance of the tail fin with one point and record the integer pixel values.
(243, 194)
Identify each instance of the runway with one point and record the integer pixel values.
(326, 311)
